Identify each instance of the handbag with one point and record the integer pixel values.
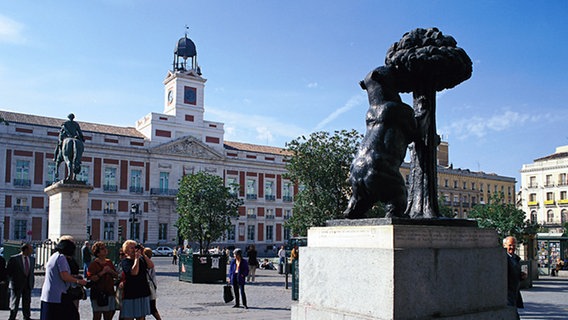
(228, 293)
(76, 293)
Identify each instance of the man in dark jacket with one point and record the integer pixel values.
(21, 274)
(514, 274)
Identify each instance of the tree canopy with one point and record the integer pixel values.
(320, 165)
(503, 217)
(205, 207)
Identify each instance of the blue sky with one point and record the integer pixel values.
(280, 69)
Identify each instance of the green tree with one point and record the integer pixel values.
(445, 211)
(205, 207)
(503, 217)
(320, 164)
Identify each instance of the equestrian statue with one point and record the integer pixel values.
(69, 148)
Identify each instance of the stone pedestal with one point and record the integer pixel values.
(68, 203)
(402, 271)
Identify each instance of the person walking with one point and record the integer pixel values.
(175, 255)
(282, 258)
(55, 304)
(252, 262)
(102, 272)
(20, 272)
(514, 274)
(86, 257)
(153, 286)
(136, 296)
(238, 271)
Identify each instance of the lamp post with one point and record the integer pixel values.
(134, 211)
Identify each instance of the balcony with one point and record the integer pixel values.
(163, 192)
(251, 216)
(287, 198)
(549, 185)
(110, 188)
(532, 185)
(533, 203)
(269, 217)
(563, 201)
(251, 196)
(22, 209)
(465, 204)
(22, 183)
(548, 202)
(109, 211)
(269, 197)
(138, 190)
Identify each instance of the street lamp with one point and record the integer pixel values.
(134, 211)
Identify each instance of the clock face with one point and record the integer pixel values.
(189, 95)
(170, 96)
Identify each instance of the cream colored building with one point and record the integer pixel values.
(544, 190)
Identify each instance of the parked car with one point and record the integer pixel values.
(163, 251)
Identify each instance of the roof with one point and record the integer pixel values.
(13, 117)
(553, 156)
(239, 146)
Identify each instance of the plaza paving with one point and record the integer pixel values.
(269, 299)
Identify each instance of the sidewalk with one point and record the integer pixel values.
(268, 298)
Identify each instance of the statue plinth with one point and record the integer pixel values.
(402, 271)
(68, 203)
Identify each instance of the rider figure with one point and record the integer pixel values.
(69, 129)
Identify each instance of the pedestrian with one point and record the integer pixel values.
(152, 283)
(55, 303)
(86, 257)
(252, 262)
(294, 254)
(282, 257)
(514, 274)
(102, 273)
(136, 295)
(238, 271)
(20, 272)
(175, 255)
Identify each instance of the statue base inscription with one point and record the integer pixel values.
(68, 203)
(402, 271)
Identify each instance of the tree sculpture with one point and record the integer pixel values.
(426, 61)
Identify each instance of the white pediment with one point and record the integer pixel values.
(188, 147)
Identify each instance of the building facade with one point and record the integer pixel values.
(141, 166)
(544, 190)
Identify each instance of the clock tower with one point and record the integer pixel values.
(183, 103)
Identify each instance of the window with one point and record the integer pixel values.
(287, 214)
(562, 179)
(481, 187)
(51, 173)
(549, 216)
(164, 181)
(548, 180)
(564, 216)
(446, 183)
(455, 183)
(232, 185)
(251, 189)
(250, 233)
(20, 229)
(110, 179)
(473, 201)
(109, 207)
(136, 181)
(287, 233)
(269, 233)
(108, 231)
(473, 186)
(533, 216)
(84, 174)
(287, 192)
(269, 190)
(563, 195)
(163, 231)
(251, 214)
(532, 197)
(231, 233)
(549, 196)
(22, 205)
(22, 174)
(269, 214)
(465, 185)
(532, 182)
